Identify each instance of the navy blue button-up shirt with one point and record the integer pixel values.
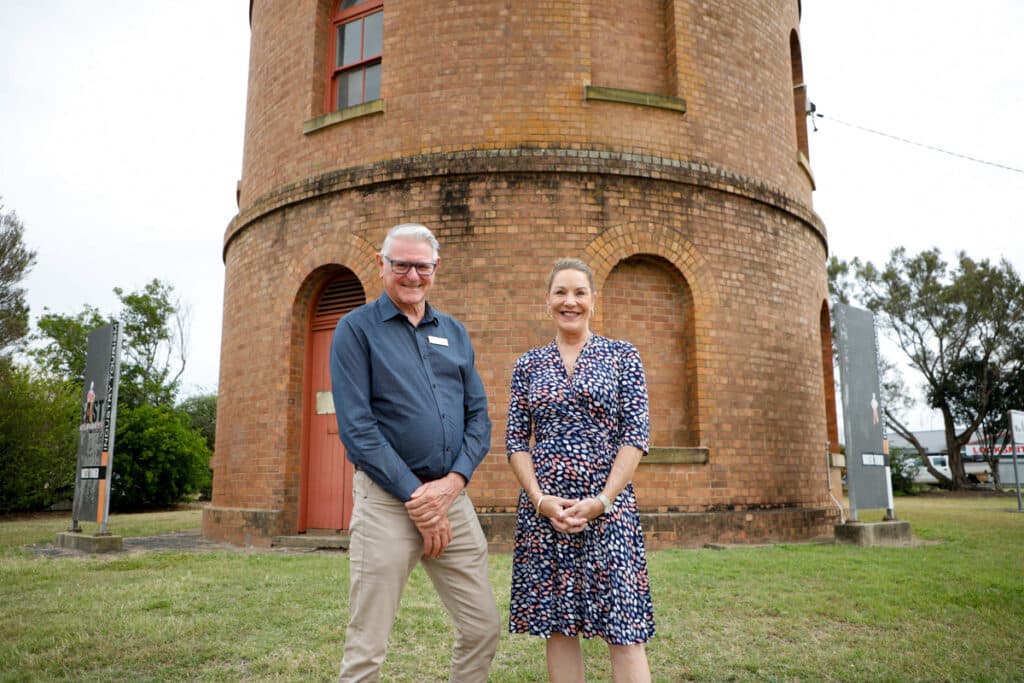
(410, 404)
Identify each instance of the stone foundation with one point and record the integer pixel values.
(664, 530)
(241, 526)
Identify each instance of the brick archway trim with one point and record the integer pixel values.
(633, 239)
(354, 253)
(638, 238)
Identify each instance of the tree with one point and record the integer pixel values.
(202, 414)
(154, 328)
(15, 262)
(953, 325)
(64, 342)
(38, 438)
(1007, 394)
(155, 332)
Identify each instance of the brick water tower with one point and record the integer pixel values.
(663, 141)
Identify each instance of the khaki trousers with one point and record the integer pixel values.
(383, 550)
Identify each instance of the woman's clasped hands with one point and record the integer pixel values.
(569, 515)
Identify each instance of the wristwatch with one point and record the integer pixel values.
(604, 501)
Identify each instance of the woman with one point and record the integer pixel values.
(579, 566)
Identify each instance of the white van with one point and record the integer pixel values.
(939, 462)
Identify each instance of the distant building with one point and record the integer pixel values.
(933, 440)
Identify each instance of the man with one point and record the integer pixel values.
(412, 414)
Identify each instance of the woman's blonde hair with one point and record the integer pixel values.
(572, 264)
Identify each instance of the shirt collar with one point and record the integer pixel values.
(387, 310)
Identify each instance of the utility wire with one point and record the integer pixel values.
(813, 113)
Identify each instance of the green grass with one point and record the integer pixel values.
(948, 609)
(41, 529)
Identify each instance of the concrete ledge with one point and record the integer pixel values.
(874, 533)
(346, 114)
(693, 455)
(89, 543)
(644, 99)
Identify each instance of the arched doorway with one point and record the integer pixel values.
(327, 475)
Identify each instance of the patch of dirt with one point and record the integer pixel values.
(973, 492)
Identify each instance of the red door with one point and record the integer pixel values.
(328, 473)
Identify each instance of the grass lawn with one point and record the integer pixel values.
(948, 609)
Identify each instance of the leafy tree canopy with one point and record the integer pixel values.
(202, 412)
(16, 260)
(154, 337)
(961, 326)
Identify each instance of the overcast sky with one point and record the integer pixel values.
(121, 126)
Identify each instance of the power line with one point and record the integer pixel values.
(813, 113)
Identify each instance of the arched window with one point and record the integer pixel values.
(828, 377)
(799, 94)
(357, 46)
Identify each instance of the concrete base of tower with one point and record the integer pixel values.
(698, 529)
(245, 527)
(259, 528)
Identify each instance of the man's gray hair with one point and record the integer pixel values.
(413, 231)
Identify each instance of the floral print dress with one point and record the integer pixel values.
(592, 583)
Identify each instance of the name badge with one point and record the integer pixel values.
(440, 341)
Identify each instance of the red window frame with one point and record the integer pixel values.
(338, 19)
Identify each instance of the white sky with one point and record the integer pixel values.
(121, 126)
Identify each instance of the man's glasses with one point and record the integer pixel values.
(403, 267)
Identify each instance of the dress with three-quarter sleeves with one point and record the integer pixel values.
(592, 583)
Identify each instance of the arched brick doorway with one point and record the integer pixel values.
(327, 473)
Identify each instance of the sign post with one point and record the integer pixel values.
(1016, 419)
(96, 428)
(867, 456)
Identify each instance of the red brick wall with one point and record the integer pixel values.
(629, 45)
(646, 302)
(698, 226)
(479, 74)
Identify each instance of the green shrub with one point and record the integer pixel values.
(38, 439)
(903, 467)
(202, 414)
(159, 459)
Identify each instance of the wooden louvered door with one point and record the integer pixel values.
(328, 473)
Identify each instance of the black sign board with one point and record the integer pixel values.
(96, 427)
